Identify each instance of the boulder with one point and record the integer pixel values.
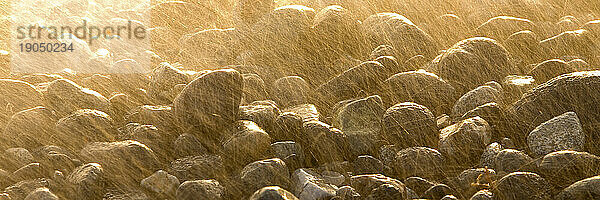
(443, 121)
(392, 66)
(86, 125)
(249, 143)
(364, 184)
(307, 112)
(128, 194)
(21, 189)
(125, 161)
(510, 160)
(549, 69)
(279, 39)
(88, 181)
(367, 164)
(54, 158)
(352, 83)
(563, 132)
(521, 185)
(447, 38)
(488, 157)
(158, 115)
(311, 186)
(387, 155)
(563, 168)
(272, 192)
(475, 98)
(120, 105)
(263, 113)
(339, 32)
(100, 83)
(161, 183)
(464, 142)
(334, 178)
(570, 43)
(502, 27)
(524, 47)
(41, 194)
(288, 126)
(150, 136)
(263, 173)
(347, 192)
(482, 195)
(449, 197)
(584, 189)
(65, 96)
(162, 80)
(16, 158)
(38, 78)
(200, 189)
(580, 65)
(568, 23)
(289, 152)
(387, 192)
(188, 145)
(495, 116)
(419, 161)
(529, 10)
(362, 115)
(593, 26)
(515, 86)
(254, 89)
(421, 87)
(460, 65)
(418, 185)
(438, 191)
(210, 101)
(249, 12)
(29, 172)
(382, 50)
(327, 144)
(409, 124)
(197, 168)
(572, 92)
(291, 91)
(400, 33)
(17, 96)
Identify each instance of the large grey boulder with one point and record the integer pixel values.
(563, 132)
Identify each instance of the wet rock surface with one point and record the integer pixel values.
(65, 96)
(562, 168)
(344, 100)
(460, 64)
(564, 132)
(264, 173)
(583, 189)
(522, 185)
(220, 104)
(460, 142)
(566, 93)
(309, 184)
(273, 192)
(421, 87)
(419, 161)
(409, 125)
(205, 189)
